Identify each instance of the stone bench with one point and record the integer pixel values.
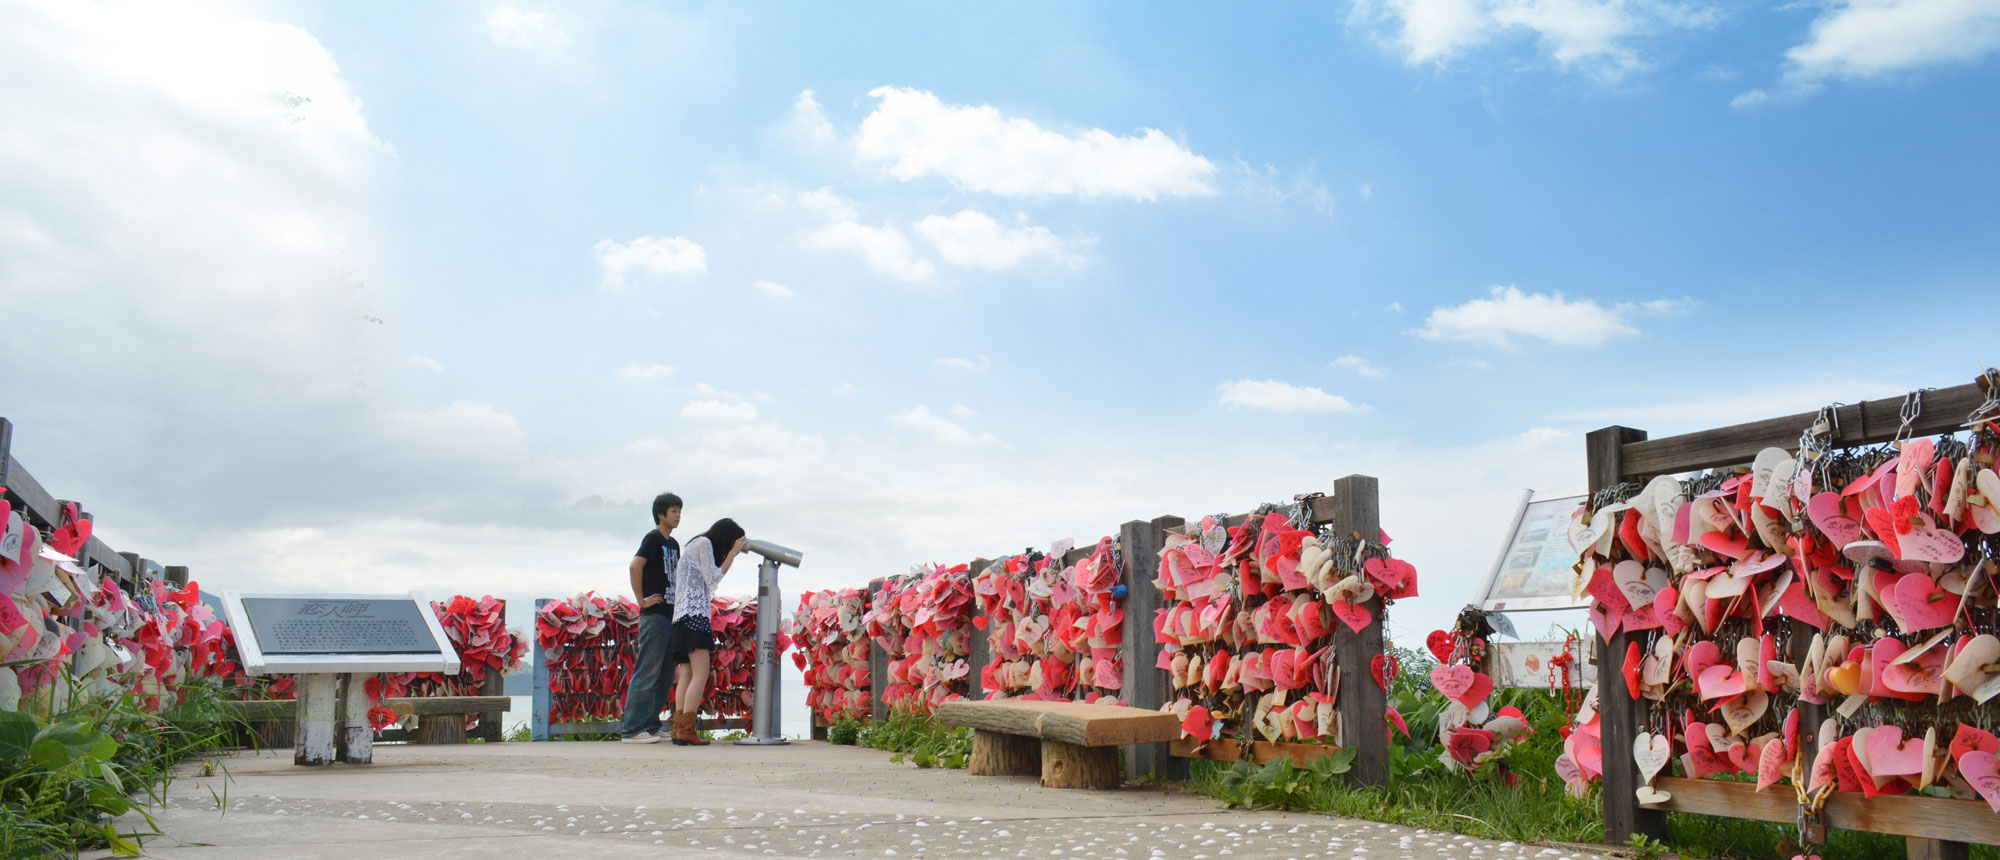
(1067, 744)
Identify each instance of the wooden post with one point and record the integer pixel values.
(318, 705)
(1001, 754)
(878, 663)
(1145, 684)
(7, 455)
(495, 685)
(1810, 716)
(980, 646)
(177, 576)
(355, 736)
(1623, 816)
(538, 720)
(1364, 719)
(1067, 765)
(1918, 848)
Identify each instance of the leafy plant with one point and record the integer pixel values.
(920, 740)
(844, 731)
(1644, 847)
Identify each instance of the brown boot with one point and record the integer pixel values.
(684, 733)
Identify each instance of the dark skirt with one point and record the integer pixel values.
(689, 634)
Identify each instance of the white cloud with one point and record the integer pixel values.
(1359, 365)
(1667, 307)
(1749, 99)
(645, 371)
(940, 428)
(962, 411)
(911, 134)
(426, 362)
(1597, 36)
(981, 363)
(1469, 363)
(1863, 39)
(1274, 396)
(519, 29)
(716, 410)
(1507, 313)
(773, 289)
(657, 256)
(810, 120)
(845, 388)
(1367, 191)
(1394, 307)
(887, 250)
(972, 239)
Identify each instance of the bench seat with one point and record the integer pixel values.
(1067, 744)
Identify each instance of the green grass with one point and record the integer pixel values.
(920, 740)
(63, 779)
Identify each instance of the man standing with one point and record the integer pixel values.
(652, 583)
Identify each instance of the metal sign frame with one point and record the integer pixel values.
(1524, 604)
(256, 662)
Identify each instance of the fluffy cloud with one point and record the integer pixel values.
(515, 28)
(1862, 39)
(1507, 313)
(773, 289)
(887, 249)
(912, 134)
(1359, 365)
(972, 239)
(645, 371)
(426, 362)
(657, 256)
(940, 428)
(1599, 36)
(956, 363)
(810, 120)
(1274, 396)
(716, 410)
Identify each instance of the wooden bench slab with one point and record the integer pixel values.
(1069, 744)
(1068, 722)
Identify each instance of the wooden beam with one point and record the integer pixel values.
(1895, 814)
(1261, 752)
(1864, 423)
(1364, 722)
(279, 710)
(979, 650)
(1145, 683)
(1621, 716)
(1067, 722)
(538, 719)
(878, 662)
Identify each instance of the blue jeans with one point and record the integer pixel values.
(651, 678)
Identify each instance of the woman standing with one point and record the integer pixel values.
(704, 562)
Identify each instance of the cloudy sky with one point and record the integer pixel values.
(437, 296)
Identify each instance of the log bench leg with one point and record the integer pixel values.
(1071, 766)
(997, 754)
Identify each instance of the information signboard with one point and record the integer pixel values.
(338, 633)
(1535, 568)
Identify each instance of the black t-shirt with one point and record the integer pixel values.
(662, 555)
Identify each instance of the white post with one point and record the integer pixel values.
(357, 735)
(314, 743)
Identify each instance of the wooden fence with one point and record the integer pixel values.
(42, 510)
(1936, 827)
(1352, 511)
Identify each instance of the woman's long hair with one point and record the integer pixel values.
(721, 537)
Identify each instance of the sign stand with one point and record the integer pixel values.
(1531, 573)
(335, 643)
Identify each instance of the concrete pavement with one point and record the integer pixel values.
(805, 800)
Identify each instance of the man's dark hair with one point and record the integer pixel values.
(664, 501)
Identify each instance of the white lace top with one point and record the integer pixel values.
(694, 582)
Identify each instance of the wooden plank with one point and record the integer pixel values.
(1936, 849)
(1922, 816)
(1364, 705)
(1068, 722)
(1261, 752)
(878, 662)
(1620, 716)
(25, 492)
(259, 710)
(610, 727)
(1863, 423)
(538, 718)
(1145, 683)
(980, 650)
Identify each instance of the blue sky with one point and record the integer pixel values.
(438, 295)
